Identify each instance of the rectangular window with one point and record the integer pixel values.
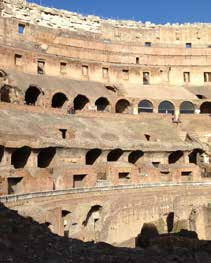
(41, 67)
(207, 76)
(186, 77)
(137, 60)
(63, 68)
(124, 176)
(146, 78)
(188, 173)
(85, 70)
(105, 73)
(18, 60)
(188, 45)
(78, 180)
(125, 74)
(148, 44)
(21, 29)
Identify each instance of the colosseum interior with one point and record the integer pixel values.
(105, 124)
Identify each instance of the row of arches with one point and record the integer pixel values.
(186, 107)
(58, 100)
(20, 157)
(134, 156)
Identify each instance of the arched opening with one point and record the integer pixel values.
(5, 94)
(122, 106)
(46, 156)
(201, 97)
(194, 156)
(205, 107)
(58, 100)
(114, 155)
(135, 156)
(80, 102)
(145, 106)
(31, 95)
(102, 104)
(166, 107)
(187, 107)
(93, 213)
(66, 216)
(20, 157)
(92, 156)
(174, 157)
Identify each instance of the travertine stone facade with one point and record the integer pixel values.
(104, 123)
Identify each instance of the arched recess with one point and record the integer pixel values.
(166, 107)
(135, 156)
(80, 102)
(187, 107)
(114, 155)
(58, 100)
(205, 107)
(145, 106)
(175, 157)
(20, 157)
(5, 94)
(45, 157)
(102, 104)
(31, 95)
(92, 156)
(122, 106)
(194, 155)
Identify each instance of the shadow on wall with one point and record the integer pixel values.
(24, 240)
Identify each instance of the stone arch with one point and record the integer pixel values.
(45, 157)
(80, 102)
(92, 156)
(20, 157)
(5, 94)
(135, 156)
(93, 210)
(194, 155)
(32, 94)
(3, 73)
(176, 156)
(122, 106)
(187, 107)
(166, 107)
(102, 104)
(58, 100)
(114, 155)
(145, 106)
(205, 107)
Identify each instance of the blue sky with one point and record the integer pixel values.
(157, 11)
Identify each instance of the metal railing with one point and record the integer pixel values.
(19, 197)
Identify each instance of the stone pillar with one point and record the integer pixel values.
(32, 160)
(6, 159)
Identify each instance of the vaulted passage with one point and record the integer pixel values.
(58, 100)
(92, 156)
(122, 106)
(166, 107)
(135, 156)
(187, 107)
(31, 95)
(114, 155)
(205, 107)
(45, 157)
(5, 94)
(175, 157)
(93, 215)
(20, 157)
(80, 102)
(145, 106)
(102, 104)
(194, 156)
